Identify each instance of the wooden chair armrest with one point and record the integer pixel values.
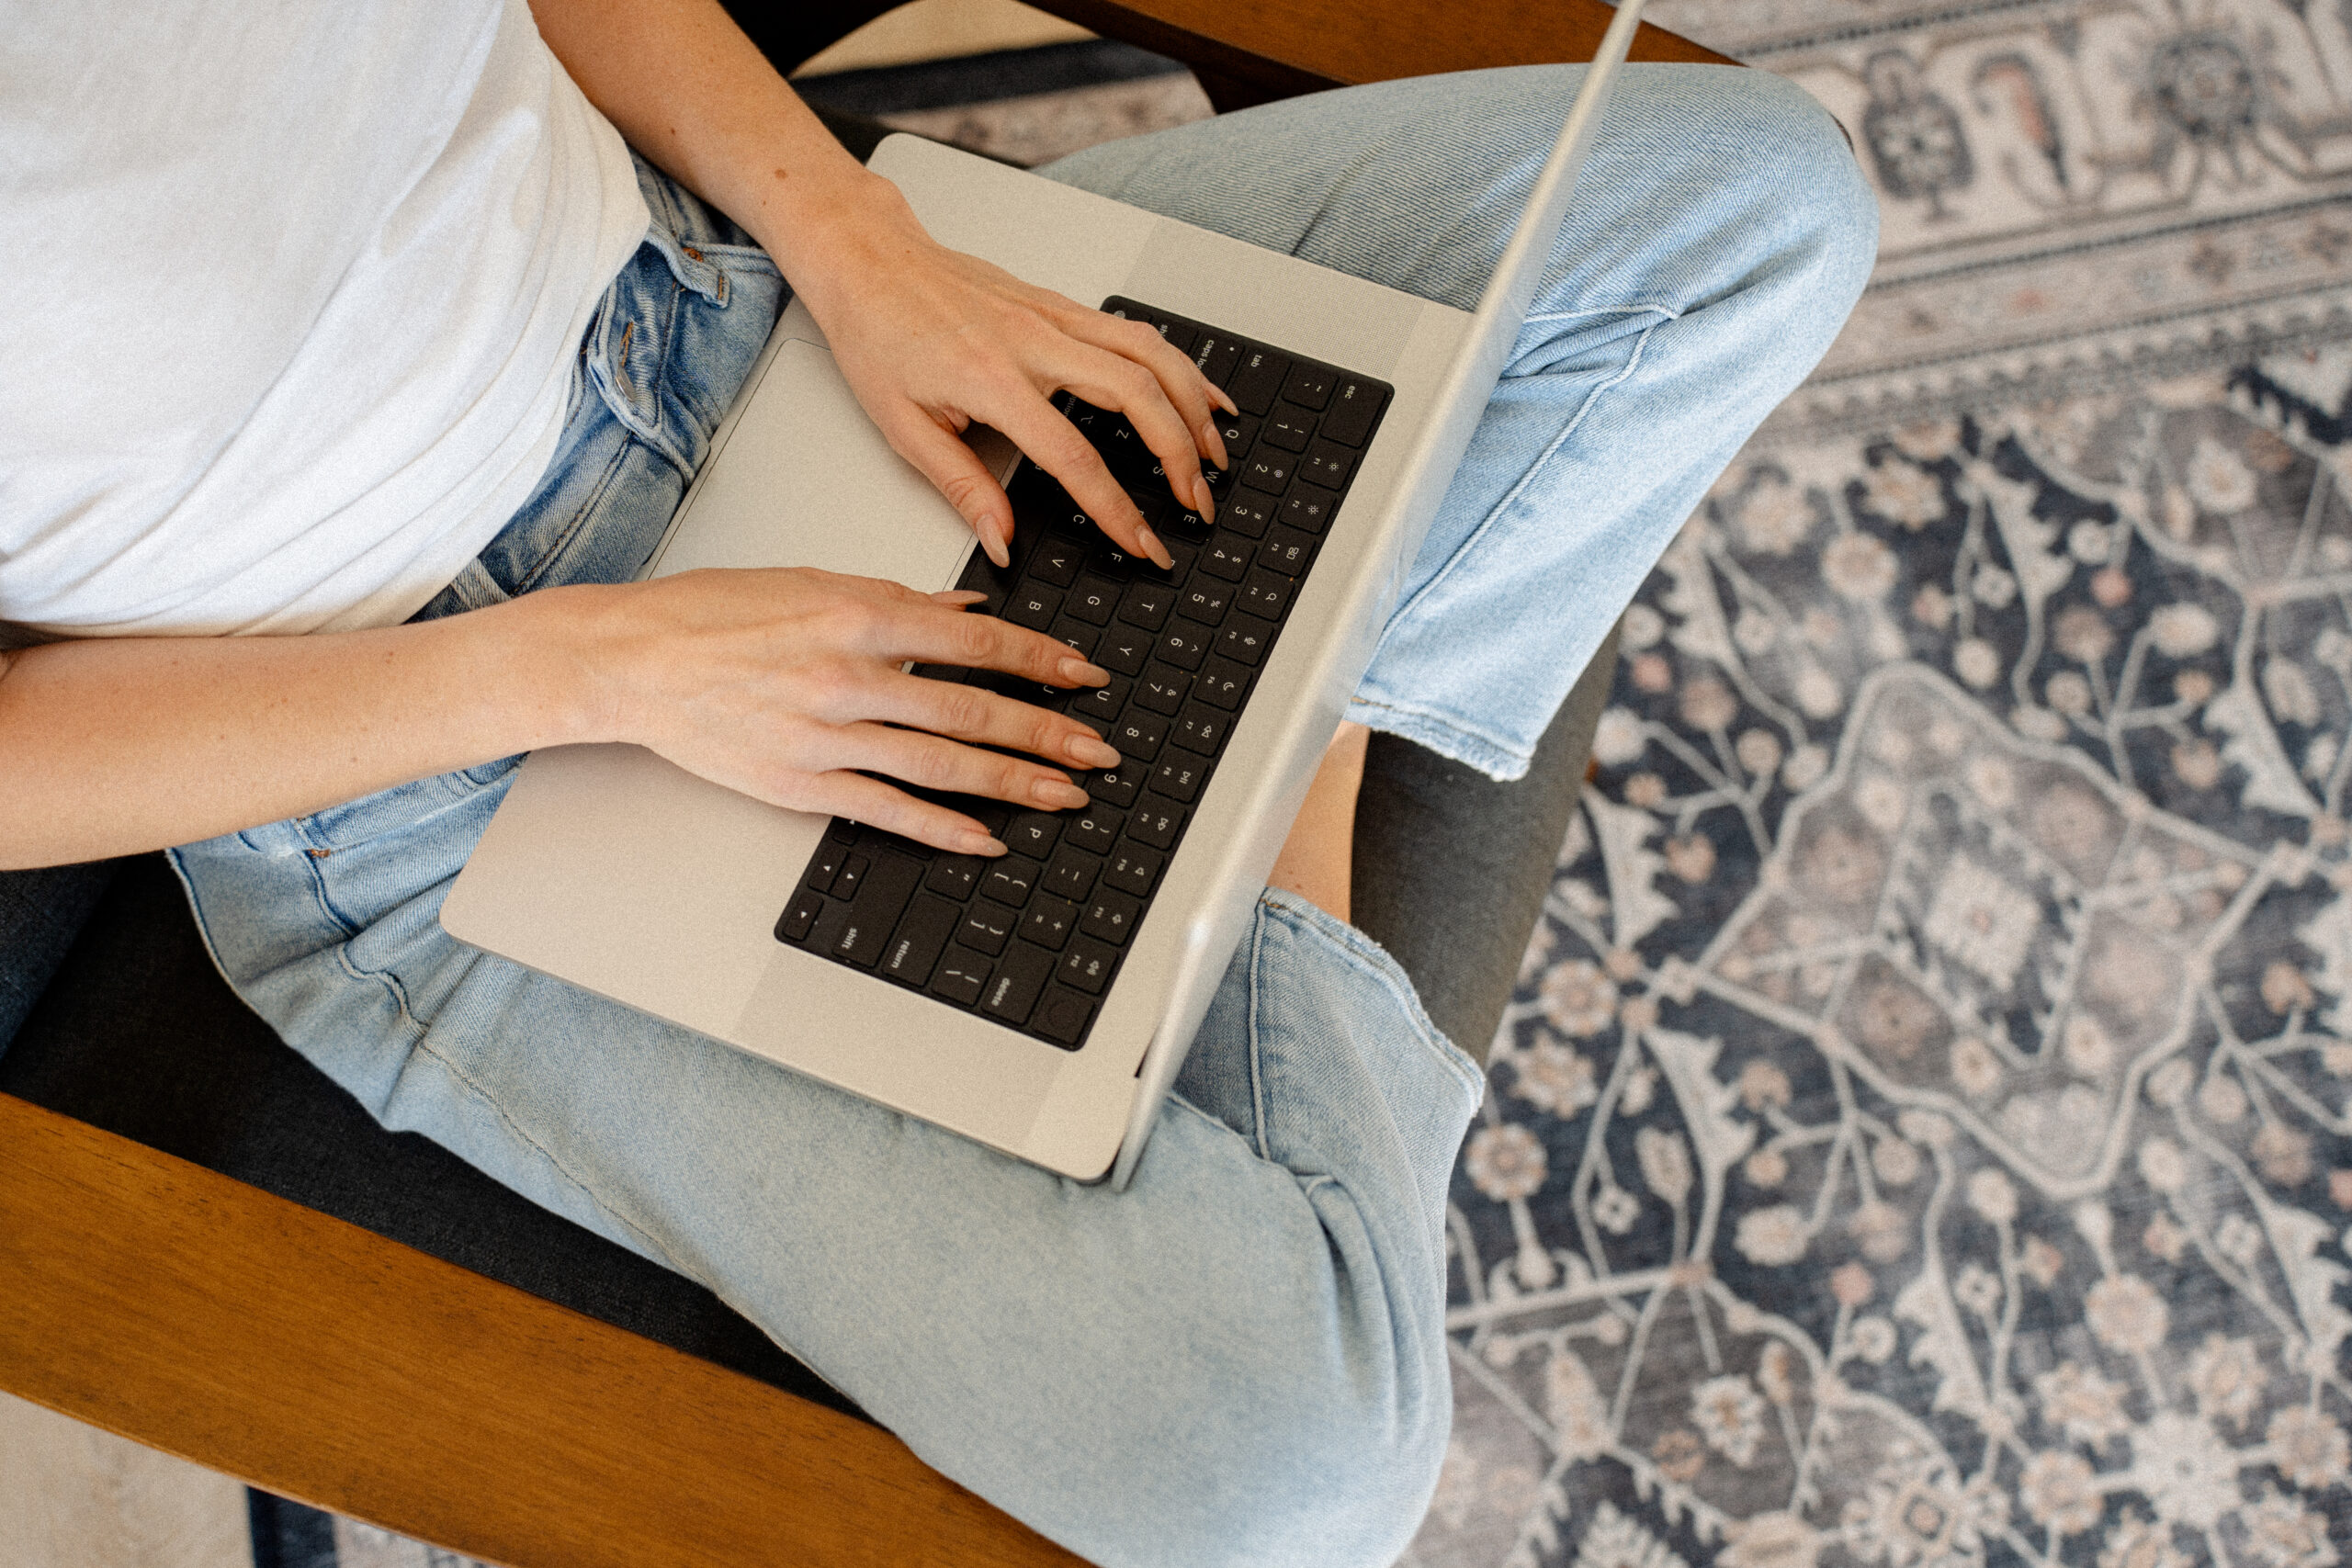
(1261, 49)
(315, 1360)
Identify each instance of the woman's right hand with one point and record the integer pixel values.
(784, 684)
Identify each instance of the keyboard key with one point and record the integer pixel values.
(1269, 469)
(1096, 828)
(1205, 602)
(1088, 965)
(1286, 551)
(960, 976)
(1011, 879)
(1308, 508)
(1238, 431)
(1117, 786)
(1256, 380)
(1244, 639)
(852, 877)
(982, 575)
(1202, 728)
(1032, 834)
(1227, 558)
(1216, 353)
(882, 896)
(1139, 735)
(799, 915)
(1162, 688)
(1134, 869)
(1103, 703)
(1072, 873)
(1034, 607)
(1111, 916)
(1178, 335)
(1062, 1017)
(1157, 821)
(1050, 921)
(1247, 513)
(1309, 384)
(954, 876)
(1222, 685)
(1110, 561)
(1093, 601)
(1352, 409)
(1147, 604)
(1267, 593)
(1056, 561)
(1018, 979)
(922, 938)
(1184, 644)
(1328, 463)
(1078, 634)
(1289, 428)
(1123, 651)
(1180, 776)
(986, 927)
(825, 864)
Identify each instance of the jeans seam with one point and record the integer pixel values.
(318, 880)
(1359, 947)
(424, 1047)
(1487, 524)
(1257, 1065)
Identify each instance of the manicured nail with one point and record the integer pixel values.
(1203, 502)
(1215, 442)
(992, 541)
(1088, 752)
(1057, 792)
(957, 598)
(1079, 673)
(978, 843)
(1227, 404)
(1153, 548)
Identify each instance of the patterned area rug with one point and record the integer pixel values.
(1924, 1136)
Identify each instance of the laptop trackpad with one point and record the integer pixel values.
(808, 481)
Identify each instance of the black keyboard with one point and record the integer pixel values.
(1032, 940)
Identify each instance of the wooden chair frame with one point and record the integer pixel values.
(318, 1361)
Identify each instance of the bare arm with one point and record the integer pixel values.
(930, 340)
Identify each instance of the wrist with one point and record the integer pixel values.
(564, 655)
(830, 236)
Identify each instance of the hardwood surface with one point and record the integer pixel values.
(156, 1299)
(71, 1496)
(1251, 51)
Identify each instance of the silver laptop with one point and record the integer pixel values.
(1040, 1003)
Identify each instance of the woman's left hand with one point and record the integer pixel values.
(932, 340)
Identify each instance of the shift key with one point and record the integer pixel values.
(874, 914)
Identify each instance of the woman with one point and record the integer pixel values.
(361, 322)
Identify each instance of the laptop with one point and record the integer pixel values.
(1040, 1002)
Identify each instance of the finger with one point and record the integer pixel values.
(1190, 393)
(867, 800)
(959, 598)
(930, 762)
(985, 718)
(1107, 380)
(1054, 446)
(896, 624)
(957, 473)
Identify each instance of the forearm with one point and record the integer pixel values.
(114, 746)
(691, 92)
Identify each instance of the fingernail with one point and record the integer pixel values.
(1079, 673)
(1215, 444)
(1091, 752)
(978, 843)
(1153, 548)
(992, 541)
(1057, 792)
(1227, 404)
(1203, 502)
(957, 598)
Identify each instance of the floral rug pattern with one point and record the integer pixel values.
(1923, 1133)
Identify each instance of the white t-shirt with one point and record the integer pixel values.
(291, 294)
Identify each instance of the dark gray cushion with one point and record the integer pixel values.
(40, 911)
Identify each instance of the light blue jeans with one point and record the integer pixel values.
(1241, 1359)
